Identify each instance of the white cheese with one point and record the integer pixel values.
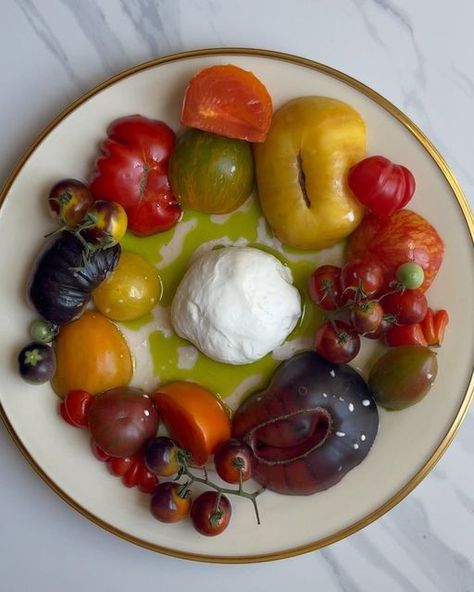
(236, 304)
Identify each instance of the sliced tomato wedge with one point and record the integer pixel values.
(228, 101)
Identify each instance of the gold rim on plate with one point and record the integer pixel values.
(468, 217)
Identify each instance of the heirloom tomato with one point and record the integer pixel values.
(404, 236)
(229, 101)
(170, 502)
(194, 417)
(381, 185)
(133, 171)
(130, 291)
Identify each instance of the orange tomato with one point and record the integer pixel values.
(91, 355)
(228, 101)
(194, 417)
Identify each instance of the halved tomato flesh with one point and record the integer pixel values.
(228, 101)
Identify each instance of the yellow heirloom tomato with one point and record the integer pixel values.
(302, 169)
(130, 291)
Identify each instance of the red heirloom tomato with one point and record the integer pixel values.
(133, 171)
(381, 185)
(228, 101)
(75, 408)
(404, 236)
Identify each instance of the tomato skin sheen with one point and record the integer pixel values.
(229, 101)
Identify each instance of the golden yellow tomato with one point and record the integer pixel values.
(302, 169)
(91, 355)
(130, 291)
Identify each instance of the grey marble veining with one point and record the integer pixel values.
(417, 54)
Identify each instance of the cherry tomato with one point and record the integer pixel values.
(43, 331)
(170, 502)
(120, 466)
(325, 286)
(410, 275)
(161, 456)
(233, 461)
(408, 307)
(337, 342)
(69, 201)
(228, 101)
(366, 316)
(405, 335)
(75, 408)
(361, 279)
(104, 224)
(211, 513)
(380, 185)
(383, 327)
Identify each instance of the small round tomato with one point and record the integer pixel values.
(337, 342)
(325, 286)
(408, 307)
(36, 363)
(161, 456)
(385, 325)
(130, 291)
(43, 331)
(170, 502)
(104, 224)
(405, 335)
(75, 408)
(211, 513)
(361, 278)
(366, 316)
(410, 275)
(233, 461)
(69, 201)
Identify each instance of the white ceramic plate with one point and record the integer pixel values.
(409, 442)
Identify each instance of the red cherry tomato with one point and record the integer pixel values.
(104, 224)
(133, 171)
(405, 335)
(170, 502)
(233, 461)
(325, 286)
(228, 101)
(75, 408)
(408, 307)
(380, 185)
(366, 316)
(211, 513)
(361, 279)
(337, 342)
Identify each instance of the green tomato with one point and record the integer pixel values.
(43, 331)
(410, 275)
(211, 173)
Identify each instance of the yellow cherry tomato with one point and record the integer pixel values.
(91, 355)
(130, 291)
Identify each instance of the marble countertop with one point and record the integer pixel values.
(419, 56)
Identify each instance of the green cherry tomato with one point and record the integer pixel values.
(43, 331)
(410, 275)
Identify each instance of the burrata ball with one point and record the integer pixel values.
(236, 304)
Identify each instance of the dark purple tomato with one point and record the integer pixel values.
(121, 420)
(161, 456)
(170, 502)
(211, 513)
(37, 363)
(233, 461)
